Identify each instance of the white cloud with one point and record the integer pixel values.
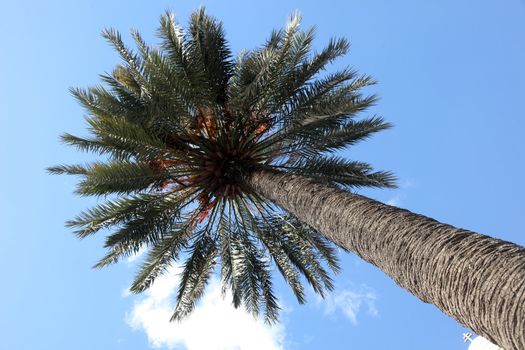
(480, 343)
(214, 325)
(350, 302)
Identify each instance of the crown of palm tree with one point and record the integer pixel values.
(182, 124)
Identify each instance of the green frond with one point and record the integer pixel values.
(245, 261)
(305, 254)
(255, 74)
(107, 214)
(68, 170)
(351, 133)
(263, 227)
(225, 232)
(286, 268)
(141, 44)
(247, 267)
(172, 36)
(304, 107)
(123, 84)
(100, 102)
(119, 178)
(174, 61)
(126, 137)
(134, 62)
(93, 145)
(323, 246)
(336, 47)
(122, 210)
(271, 305)
(301, 69)
(195, 276)
(339, 171)
(340, 104)
(89, 101)
(230, 272)
(290, 73)
(313, 94)
(175, 97)
(321, 135)
(160, 257)
(136, 234)
(208, 48)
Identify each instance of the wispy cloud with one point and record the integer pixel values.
(214, 325)
(350, 302)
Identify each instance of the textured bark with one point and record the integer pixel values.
(476, 279)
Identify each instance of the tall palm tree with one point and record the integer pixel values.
(209, 158)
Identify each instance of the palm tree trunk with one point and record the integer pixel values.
(476, 279)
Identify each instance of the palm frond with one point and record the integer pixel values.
(145, 228)
(161, 256)
(340, 171)
(207, 46)
(119, 178)
(122, 210)
(320, 137)
(134, 62)
(196, 273)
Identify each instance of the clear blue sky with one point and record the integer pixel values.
(451, 79)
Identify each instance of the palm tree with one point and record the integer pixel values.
(212, 159)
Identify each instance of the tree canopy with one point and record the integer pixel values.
(179, 125)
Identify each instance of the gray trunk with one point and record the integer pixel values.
(476, 279)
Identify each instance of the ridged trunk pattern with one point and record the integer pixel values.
(476, 279)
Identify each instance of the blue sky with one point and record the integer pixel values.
(451, 79)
